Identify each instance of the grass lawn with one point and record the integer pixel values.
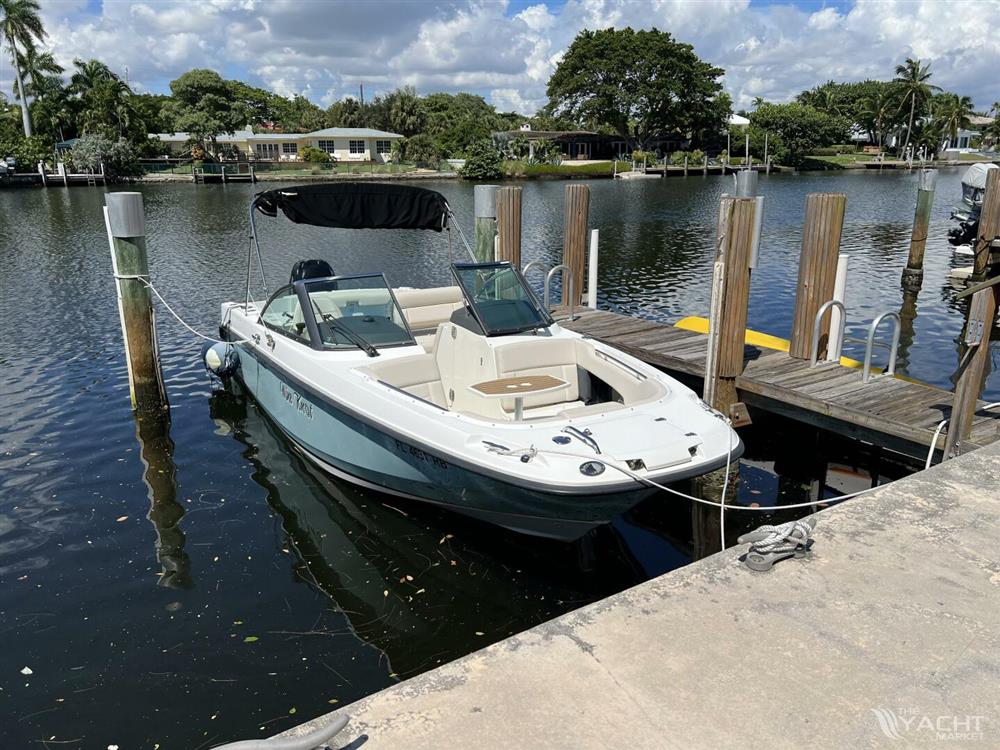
(843, 160)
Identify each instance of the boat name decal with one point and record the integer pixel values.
(422, 455)
(302, 406)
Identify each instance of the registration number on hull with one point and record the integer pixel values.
(300, 405)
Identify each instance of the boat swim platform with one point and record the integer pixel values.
(894, 413)
(887, 634)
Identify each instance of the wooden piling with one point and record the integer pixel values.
(685, 166)
(979, 322)
(485, 205)
(972, 369)
(509, 225)
(704, 166)
(126, 226)
(577, 210)
(913, 274)
(734, 249)
(824, 222)
(989, 226)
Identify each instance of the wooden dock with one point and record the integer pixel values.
(897, 414)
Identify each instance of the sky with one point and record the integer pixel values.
(506, 50)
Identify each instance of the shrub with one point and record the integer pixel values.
(118, 157)
(677, 157)
(546, 152)
(419, 149)
(315, 155)
(483, 161)
(696, 157)
(27, 152)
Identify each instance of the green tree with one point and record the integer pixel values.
(642, 84)
(203, 105)
(405, 112)
(258, 107)
(299, 115)
(456, 121)
(149, 109)
(912, 77)
(483, 161)
(20, 28)
(104, 102)
(796, 129)
(347, 113)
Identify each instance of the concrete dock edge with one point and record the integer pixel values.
(888, 634)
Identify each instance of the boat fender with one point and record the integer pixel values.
(769, 544)
(221, 359)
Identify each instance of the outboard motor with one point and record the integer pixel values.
(310, 269)
(221, 359)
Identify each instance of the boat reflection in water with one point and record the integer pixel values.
(421, 584)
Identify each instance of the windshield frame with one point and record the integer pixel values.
(309, 314)
(470, 303)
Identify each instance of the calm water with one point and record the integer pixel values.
(192, 583)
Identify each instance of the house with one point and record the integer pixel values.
(965, 137)
(342, 144)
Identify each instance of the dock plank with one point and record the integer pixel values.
(903, 412)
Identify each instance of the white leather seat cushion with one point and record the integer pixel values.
(542, 357)
(427, 308)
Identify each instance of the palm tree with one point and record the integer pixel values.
(757, 101)
(20, 26)
(39, 68)
(913, 77)
(877, 114)
(105, 98)
(953, 113)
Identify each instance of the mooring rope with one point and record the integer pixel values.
(144, 279)
(785, 537)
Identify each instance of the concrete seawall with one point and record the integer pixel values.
(888, 634)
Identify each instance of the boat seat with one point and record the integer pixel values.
(417, 375)
(555, 357)
(426, 309)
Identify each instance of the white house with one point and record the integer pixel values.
(342, 144)
(964, 140)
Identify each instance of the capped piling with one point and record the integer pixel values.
(485, 209)
(126, 226)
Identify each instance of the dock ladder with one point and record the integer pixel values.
(869, 341)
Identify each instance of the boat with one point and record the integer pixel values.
(966, 213)
(468, 396)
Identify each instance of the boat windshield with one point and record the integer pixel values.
(499, 298)
(354, 311)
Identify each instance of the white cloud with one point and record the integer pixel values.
(325, 49)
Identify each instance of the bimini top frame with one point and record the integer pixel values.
(351, 205)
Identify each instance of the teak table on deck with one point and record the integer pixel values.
(898, 414)
(518, 388)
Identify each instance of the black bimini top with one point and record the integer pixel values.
(357, 205)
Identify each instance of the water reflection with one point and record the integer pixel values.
(401, 572)
(156, 450)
